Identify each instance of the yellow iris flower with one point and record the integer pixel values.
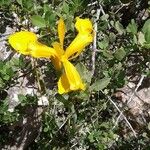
(27, 43)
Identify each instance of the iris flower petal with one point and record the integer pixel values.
(58, 48)
(78, 44)
(61, 31)
(73, 76)
(63, 84)
(57, 60)
(83, 25)
(56, 63)
(39, 50)
(83, 39)
(20, 40)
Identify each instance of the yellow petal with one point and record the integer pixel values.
(20, 40)
(57, 63)
(39, 50)
(83, 25)
(63, 84)
(57, 60)
(58, 48)
(73, 76)
(61, 31)
(78, 44)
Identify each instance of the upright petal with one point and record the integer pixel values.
(39, 50)
(61, 31)
(78, 44)
(57, 60)
(73, 76)
(63, 84)
(58, 48)
(83, 25)
(20, 40)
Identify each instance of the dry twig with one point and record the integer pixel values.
(131, 97)
(130, 126)
(95, 40)
(99, 10)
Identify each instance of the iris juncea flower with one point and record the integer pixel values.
(27, 43)
(70, 79)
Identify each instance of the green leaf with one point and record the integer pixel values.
(132, 27)
(46, 8)
(38, 21)
(146, 31)
(103, 44)
(141, 38)
(146, 45)
(5, 2)
(91, 137)
(50, 18)
(21, 97)
(120, 54)
(65, 8)
(112, 37)
(100, 84)
(62, 98)
(19, 2)
(28, 4)
(119, 28)
(135, 40)
(107, 54)
(84, 73)
(6, 77)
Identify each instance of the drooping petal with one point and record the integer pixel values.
(57, 63)
(78, 44)
(63, 84)
(83, 25)
(20, 40)
(39, 50)
(73, 76)
(61, 31)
